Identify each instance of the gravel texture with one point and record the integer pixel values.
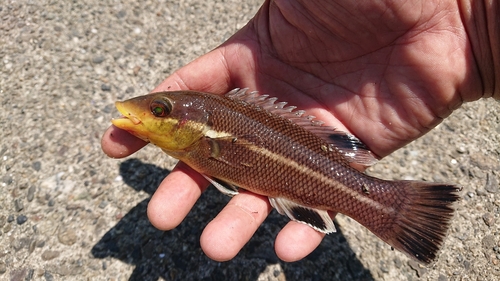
(68, 212)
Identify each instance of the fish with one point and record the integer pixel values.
(251, 141)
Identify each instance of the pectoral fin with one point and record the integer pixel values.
(229, 149)
(317, 219)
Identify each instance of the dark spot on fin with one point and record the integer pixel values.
(224, 187)
(420, 224)
(351, 147)
(347, 144)
(317, 219)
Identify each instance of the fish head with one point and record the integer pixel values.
(172, 121)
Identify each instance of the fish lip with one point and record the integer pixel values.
(127, 119)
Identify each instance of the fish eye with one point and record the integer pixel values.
(160, 108)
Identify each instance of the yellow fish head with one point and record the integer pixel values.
(172, 121)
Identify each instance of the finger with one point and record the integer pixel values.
(296, 240)
(233, 227)
(217, 71)
(118, 143)
(205, 74)
(175, 197)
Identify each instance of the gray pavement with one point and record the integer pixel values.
(68, 212)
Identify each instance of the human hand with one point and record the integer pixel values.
(385, 72)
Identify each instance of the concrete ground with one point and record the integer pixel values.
(68, 212)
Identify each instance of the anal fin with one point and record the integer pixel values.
(224, 187)
(317, 219)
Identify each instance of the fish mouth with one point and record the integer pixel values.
(127, 120)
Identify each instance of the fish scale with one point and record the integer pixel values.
(249, 141)
(302, 148)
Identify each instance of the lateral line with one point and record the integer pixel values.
(303, 169)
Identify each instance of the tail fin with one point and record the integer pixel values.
(422, 219)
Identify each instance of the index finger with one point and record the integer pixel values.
(118, 143)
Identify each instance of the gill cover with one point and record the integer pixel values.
(172, 121)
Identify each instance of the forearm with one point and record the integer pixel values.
(482, 24)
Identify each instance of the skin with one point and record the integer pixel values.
(386, 71)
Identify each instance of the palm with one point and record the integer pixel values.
(410, 68)
(388, 78)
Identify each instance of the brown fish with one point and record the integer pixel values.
(249, 141)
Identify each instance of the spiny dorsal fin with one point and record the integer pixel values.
(347, 144)
(266, 102)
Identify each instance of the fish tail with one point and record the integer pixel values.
(421, 219)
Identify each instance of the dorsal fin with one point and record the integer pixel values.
(347, 144)
(351, 147)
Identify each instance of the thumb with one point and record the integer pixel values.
(229, 66)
